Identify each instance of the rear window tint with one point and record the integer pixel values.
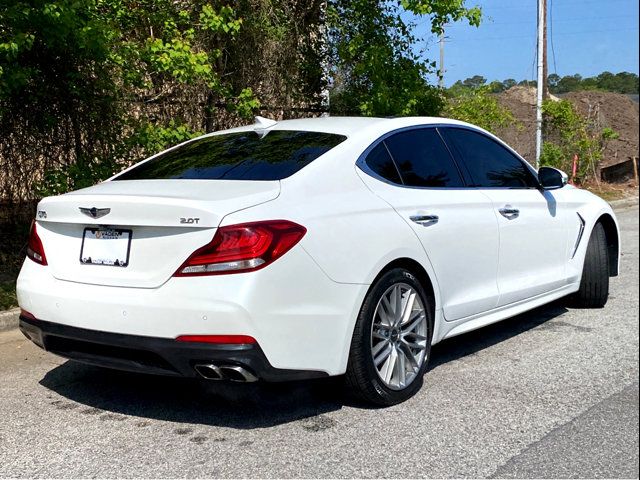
(238, 156)
(423, 159)
(381, 163)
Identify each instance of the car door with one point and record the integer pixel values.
(414, 172)
(533, 232)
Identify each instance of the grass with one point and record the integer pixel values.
(8, 295)
(611, 192)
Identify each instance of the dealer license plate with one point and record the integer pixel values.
(105, 246)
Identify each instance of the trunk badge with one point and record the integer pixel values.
(95, 212)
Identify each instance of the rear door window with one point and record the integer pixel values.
(490, 164)
(238, 156)
(423, 159)
(381, 163)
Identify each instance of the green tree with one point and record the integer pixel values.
(71, 69)
(475, 81)
(477, 106)
(569, 83)
(508, 83)
(496, 86)
(552, 81)
(375, 69)
(567, 133)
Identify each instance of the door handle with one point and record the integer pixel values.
(509, 212)
(425, 220)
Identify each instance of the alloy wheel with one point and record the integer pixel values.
(399, 336)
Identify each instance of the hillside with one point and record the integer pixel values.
(613, 110)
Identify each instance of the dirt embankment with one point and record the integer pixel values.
(613, 110)
(521, 102)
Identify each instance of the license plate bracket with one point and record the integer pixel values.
(105, 246)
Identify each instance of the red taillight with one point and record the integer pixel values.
(226, 339)
(243, 247)
(35, 250)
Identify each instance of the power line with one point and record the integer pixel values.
(564, 20)
(509, 37)
(511, 6)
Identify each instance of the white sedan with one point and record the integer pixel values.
(310, 248)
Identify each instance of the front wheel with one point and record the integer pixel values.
(594, 285)
(391, 340)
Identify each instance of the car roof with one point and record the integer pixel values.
(350, 125)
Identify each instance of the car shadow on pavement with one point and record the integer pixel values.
(477, 340)
(232, 405)
(247, 406)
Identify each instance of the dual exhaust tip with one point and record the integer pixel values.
(234, 373)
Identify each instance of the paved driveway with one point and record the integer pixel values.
(551, 393)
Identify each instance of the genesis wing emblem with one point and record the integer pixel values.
(95, 212)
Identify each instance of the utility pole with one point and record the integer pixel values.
(545, 63)
(441, 70)
(325, 101)
(542, 6)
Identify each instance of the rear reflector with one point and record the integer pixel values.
(221, 339)
(243, 247)
(29, 315)
(35, 250)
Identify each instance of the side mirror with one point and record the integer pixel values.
(551, 178)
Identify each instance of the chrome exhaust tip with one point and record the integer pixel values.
(209, 371)
(233, 373)
(236, 373)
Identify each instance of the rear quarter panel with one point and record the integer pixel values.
(351, 233)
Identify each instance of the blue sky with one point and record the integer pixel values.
(589, 37)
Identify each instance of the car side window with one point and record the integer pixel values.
(489, 163)
(381, 163)
(423, 159)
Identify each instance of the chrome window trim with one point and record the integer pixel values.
(362, 164)
(497, 140)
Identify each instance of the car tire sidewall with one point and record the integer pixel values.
(377, 389)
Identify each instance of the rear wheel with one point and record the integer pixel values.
(391, 340)
(594, 285)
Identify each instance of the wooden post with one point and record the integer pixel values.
(634, 160)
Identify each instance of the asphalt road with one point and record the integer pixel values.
(552, 393)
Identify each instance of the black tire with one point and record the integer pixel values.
(362, 379)
(594, 285)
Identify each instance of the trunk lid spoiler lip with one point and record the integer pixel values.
(185, 207)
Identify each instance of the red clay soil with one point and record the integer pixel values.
(521, 135)
(615, 111)
(612, 110)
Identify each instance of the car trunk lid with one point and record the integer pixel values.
(160, 223)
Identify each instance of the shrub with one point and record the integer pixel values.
(477, 106)
(567, 133)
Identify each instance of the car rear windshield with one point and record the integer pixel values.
(251, 155)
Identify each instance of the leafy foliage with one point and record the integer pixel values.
(88, 86)
(623, 82)
(477, 106)
(375, 68)
(567, 133)
(7, 295)
(69, 66)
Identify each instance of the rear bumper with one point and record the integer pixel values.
(301, 319)
(152, 355)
